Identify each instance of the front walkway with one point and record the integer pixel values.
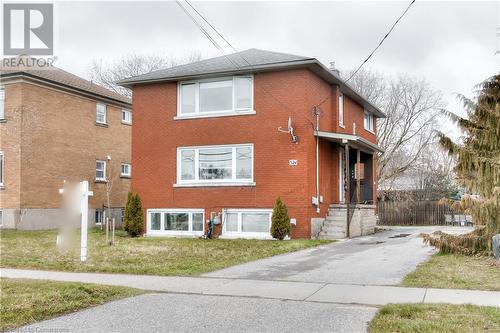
(282, 290)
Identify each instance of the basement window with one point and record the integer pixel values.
(175, 221)
(215, 97)
(247, 223)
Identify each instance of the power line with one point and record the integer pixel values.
(383, 39)
(230, 45)
(213, 41)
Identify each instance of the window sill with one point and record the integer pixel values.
(217, 115)
(126, 123)
(2, 187)
(215, 184)
(101, 124)
(342, 125)
(103, 181)
(125, 177)
(170, 233)
(3, 120)
(247, 235)
(369, 131)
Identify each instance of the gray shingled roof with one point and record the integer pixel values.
(249, 61)
(61, 77)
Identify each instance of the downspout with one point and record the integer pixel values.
(317, 160)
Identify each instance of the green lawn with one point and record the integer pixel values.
(435, 318)
(145, 255)
(27, 301)
(456, 271)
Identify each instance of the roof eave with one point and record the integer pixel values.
(20, 74)
(312, 64)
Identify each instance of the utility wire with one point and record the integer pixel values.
(379, 44)
(213, 41)
(230, 45)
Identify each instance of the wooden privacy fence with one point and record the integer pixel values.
(412, 212)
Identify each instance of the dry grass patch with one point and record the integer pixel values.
(145, 255)
(26, 301)
(435, 318)
(457, 272)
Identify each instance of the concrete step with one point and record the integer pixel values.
(331, 236)
(334, 229)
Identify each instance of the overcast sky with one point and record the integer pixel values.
(451, 44)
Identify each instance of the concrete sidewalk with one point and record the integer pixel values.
(283, 290)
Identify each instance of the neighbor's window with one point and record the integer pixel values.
(216, 96)
(98, 216)
(100, 113)
(126, 116)
(247, 221)
(368, 121)
(215, 164)
(100, 170)
(341, 110)
(126, 170)
(176, 221)
(2, 103)
(1, 168)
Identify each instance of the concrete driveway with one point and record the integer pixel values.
(380, 259)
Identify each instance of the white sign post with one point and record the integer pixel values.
(85, 194)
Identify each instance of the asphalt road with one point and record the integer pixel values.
(195, 313)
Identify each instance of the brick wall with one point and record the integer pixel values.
(58, 140)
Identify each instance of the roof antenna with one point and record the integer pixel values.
(289, 130)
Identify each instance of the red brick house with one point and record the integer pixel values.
(205, 142)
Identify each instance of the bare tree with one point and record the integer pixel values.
(107, 73)
(412, 107)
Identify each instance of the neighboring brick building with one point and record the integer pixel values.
(205, 142)
(55, 126)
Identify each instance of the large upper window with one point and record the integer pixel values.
(215, 164)
(1, 168)
(369, 121)
(100, 113)
(173, 221)
(2, 103)
(251, 222)
(341, 110)
(231, 95)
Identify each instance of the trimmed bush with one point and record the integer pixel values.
(133, 218)
(280, 226)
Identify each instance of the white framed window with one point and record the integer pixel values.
(247, 223)
(2, 168)
(215, 97)
(224, 164)
(98, 216)
(126, 116)
(100, 113)
(341, 110)
(100, 170)
(2, 103)
(175, 221)
(126, 170)
(368, 121)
